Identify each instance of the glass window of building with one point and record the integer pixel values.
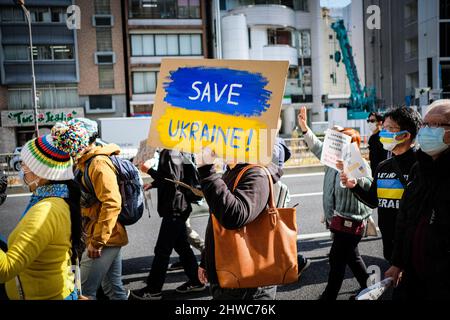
(40, 15)
(42, 53)
(18, 53)
(100, 102)
(106, 76)
(444, 9)
(144, 82)
(58, 14)
(63, 52)
(279, 36)
(444, 36)
(165, 9)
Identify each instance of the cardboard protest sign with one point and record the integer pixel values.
(335, 147)
(230, 106)
(145, 152)
(354, 165)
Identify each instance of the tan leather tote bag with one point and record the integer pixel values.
(262, 253)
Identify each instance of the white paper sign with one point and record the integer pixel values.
(354, 165)
(376, 291)
(335, 147)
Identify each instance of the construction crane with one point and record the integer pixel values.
(362, 99)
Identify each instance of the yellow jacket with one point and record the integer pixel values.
(39, 252)
(102, 228)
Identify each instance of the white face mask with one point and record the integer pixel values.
(373, 126)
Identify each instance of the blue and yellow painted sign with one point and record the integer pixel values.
(229, 106)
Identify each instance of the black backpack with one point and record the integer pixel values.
(131, 189)
(191, 178)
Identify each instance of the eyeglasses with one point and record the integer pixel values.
(434, 125)
(392, 129)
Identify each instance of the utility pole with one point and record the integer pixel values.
(34, 98)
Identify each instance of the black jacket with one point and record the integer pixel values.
(422, 241)
(377, 154)
(3, 186)
(171, 199)
(386, 193)
(235, 209)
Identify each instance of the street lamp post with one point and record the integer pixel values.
(33, 78)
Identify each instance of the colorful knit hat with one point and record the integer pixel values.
(70, 137)
(90, 125)
(46, 161)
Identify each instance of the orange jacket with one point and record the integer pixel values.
(102, 228)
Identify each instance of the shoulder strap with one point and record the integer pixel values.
(399, 172)
(86, 178)
(243, 171)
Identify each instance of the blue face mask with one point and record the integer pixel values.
(431, 140)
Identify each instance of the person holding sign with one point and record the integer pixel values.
(345, 217)
(391, 177)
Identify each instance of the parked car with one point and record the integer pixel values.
(16, 160)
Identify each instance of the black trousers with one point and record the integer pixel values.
(263, 293)
(344, 252)
(172, 235)
(386, 222)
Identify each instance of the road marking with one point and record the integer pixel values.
(19, 195)
(314, 235)
(320, 235)
(303, 175)
(306, 195)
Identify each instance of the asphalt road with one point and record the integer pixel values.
(314, 243)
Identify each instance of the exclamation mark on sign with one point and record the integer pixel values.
(249, 140)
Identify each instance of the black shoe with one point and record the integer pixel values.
(146, 294)
(189, 287)
(175, 266)
(303, 264)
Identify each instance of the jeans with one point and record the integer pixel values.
(172, 235)
(266, 293)
(344, 251)
(105, 271)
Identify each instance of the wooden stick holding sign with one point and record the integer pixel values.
(229, 106)
(195, 191)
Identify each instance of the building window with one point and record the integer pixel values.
(166, 45)
(63, 52)
(102, 6)
(17, 53)
(165, 9)
(50, 97)
(144, 82)
(40, 53)
(40, 15)
(100, 104)
(445, 78)
(190, 45)
(279, 36)
(58, 15)
(444, 9)
(106, 76)
(444, 36)
(11, 15)
(104, 39)
(305, 44)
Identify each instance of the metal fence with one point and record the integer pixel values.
(302, 156)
